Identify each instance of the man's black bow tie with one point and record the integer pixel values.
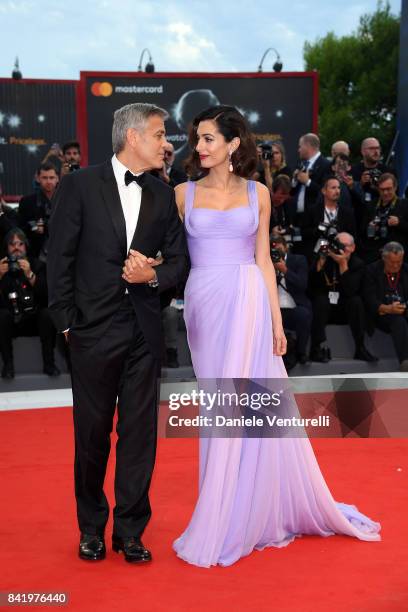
(129, 177)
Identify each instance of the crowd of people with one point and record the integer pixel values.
(339, 242)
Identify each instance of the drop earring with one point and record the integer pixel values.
(230, 167)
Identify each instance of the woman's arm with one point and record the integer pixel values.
(264, 262)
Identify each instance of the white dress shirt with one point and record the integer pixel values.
(301, 195)
(130, 198)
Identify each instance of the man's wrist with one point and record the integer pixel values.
(153, 282)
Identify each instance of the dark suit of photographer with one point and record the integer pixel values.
(335, 287)
(34, 210)
(384, 221)
(369, 169)
(296, 309)
(23, 304)
(385, 296)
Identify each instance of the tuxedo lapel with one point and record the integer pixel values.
(146, 215)
(112, 201)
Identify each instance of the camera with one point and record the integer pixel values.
(33, 226)
(390, 298)
(13, 266)
(73, 167)
(266, 149)
(375, 174)
(328, 240)
(21, 300)
(379, 226)
(276, 255)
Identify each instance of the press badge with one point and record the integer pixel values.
(334, 297)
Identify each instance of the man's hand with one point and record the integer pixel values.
(64, 168)
(280, 266)
(348, 180)
(138, 268)
(303, 177)
(365, 178)
(393, 220)
(341, 259)
(394, 308)
(24, 265)
(4, 267)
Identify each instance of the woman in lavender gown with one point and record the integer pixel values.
(253, 493)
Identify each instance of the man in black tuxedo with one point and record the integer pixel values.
(107, 225)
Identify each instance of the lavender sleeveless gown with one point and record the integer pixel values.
(253, 493)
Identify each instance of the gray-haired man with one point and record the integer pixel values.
(108, 223)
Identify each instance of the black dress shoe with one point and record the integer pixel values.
(8, 371)
(132, 548)
(91, 547)
(51, 369)
(320, 354)
(364, 354)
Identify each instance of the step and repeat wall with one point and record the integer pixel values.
(34, 114)
(277, 106)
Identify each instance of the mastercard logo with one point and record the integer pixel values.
(102, 89)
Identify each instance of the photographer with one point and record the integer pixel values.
(327, 218)
(34, 210)
(369, 169)
(273, 159)
(296, 309)
(385, 221)
(71, 157)
(340, 147)
(23, 304)
(308, 178)
(335, 285)
(386, 295)
(169, 173)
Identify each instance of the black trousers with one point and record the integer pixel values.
(299, 320)
(348, 310)
(397, 326)
(120, 369)
(33, 324)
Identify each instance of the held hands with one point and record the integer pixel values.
(279, 342)
(138, 268)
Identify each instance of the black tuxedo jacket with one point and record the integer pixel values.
(88, 247)
(320, 169)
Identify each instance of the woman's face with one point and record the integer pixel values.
(276, 156)
(211, 146)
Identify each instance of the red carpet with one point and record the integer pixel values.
(39, 537)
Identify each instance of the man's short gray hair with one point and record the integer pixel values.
(392, 247)
(312, 140)
(132, 116)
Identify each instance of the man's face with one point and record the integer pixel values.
(149, 144)
(16, 247)
(282, 248)
(72, 156)
(348, 245)
(279, 197)
(169, 154)
(304, 150)
(393, 262)
(331, 191)
(387, 191)
(340, 147)
(48, 180)
(371, 151)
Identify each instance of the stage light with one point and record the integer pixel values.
(149, 68)
(16, 74)
(277, 67)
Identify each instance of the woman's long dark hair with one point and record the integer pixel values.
(231, 124)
